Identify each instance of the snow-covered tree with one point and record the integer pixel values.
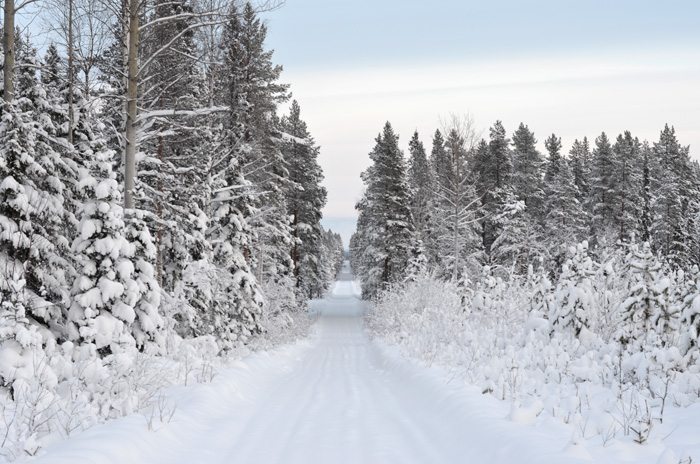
(601, 201)
(493, 169)
(33, 246)
(675, 203)
(627, 177)
(554, 158)
(387, 230)
(566, 221)
(455, 226)
(528, 168)
(574, 309)
(421, 180)
(690, 314)
(579, 161)
(644, 300)
(304, 199)
(104, 292)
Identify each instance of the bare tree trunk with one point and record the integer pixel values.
(458, 203)
(295, 249)
(131, 107)
(8, 43)
(261, 264)
(159, 200)
(71, 117)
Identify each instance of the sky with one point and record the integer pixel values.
(573, 68)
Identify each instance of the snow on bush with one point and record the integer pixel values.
(60, 390)
(55, 390)
(562, 350)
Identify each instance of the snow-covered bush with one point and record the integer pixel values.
(500, 339)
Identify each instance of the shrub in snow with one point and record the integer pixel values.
(540, 293)
(644, 300)
(148, 325)
(690, 316)
(102, 308)
(505, 346)
(115, 295)
(574, 309)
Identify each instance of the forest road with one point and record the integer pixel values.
(336, 398)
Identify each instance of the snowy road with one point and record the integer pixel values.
(338, 398)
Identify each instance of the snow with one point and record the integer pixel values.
(340, 397)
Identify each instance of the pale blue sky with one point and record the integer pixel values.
(322, 33)
(574, 68)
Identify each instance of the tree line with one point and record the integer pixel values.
(148, 188)
(500, 202)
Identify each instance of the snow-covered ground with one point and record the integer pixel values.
(337, 398)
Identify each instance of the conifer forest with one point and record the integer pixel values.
(169, 294)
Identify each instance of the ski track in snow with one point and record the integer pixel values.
(338, 398)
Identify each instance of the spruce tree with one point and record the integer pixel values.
(644, 300)
(304, 200)
(574, 310)
(421, 180)
(387, 230)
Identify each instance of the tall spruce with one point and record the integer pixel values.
(304, 200)
(387, 219)
(421, 180)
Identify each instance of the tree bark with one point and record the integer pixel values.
(71, 117)
(8, 43)
(131, 107)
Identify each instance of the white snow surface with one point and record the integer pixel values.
(337, 398)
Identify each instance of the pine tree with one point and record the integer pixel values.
(528, 172)
(500, 170)
(493, 169)
(626, 188)
(602, 199)
(579, 160)
(566, 221)
(675, 204)
(554, 160)
(648, 171)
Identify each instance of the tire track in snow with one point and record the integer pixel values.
(336, 399)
